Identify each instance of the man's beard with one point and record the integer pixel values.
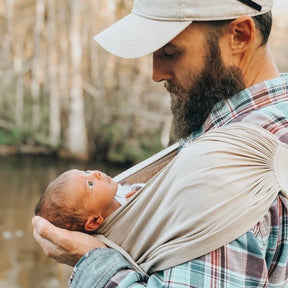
(217, 82)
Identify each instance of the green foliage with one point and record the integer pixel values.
(15, 136)
(124, 147)
(11, 137)
(132, 152)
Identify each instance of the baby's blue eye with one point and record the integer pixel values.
(90, 183)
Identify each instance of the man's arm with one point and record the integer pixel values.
(233, 265)
(228, 266)
(240, 263)
(257, 259)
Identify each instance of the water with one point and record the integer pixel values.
(22, 262)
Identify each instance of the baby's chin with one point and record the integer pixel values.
(115, 184)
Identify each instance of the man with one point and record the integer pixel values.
(217, 67)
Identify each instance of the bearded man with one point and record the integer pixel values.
(214, 59)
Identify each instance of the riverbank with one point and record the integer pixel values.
(6, 150)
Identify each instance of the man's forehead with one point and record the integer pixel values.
(170, 45)
(189, 36)
(174, 43)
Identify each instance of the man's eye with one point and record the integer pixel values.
(90, 183)
(171, 55)
(170, 52)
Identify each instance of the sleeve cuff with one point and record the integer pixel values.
(97, 267)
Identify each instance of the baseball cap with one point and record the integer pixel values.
(153, 23)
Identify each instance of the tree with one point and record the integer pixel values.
(77, 134)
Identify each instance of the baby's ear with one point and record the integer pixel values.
(93, 223)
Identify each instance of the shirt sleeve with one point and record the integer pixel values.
(97, 267)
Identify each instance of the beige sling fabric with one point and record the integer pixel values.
(215, 190)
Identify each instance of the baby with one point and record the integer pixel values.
(80, 200)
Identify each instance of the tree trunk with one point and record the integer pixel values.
(17, 61)
(54, 97)
(77, 134)
(18, 67)
(64, 52)
(36, 64)
(6, 40)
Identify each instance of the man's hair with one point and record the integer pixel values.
(54, 205)
(262, 22)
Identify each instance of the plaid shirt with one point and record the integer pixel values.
(257, 259)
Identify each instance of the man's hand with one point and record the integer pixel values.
(62, 245)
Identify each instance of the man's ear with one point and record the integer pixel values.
(243, 33)
(93, 223)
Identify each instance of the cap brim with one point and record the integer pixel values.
(134, 36)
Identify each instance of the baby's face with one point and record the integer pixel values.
(95, 188)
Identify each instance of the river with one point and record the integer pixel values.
(22, 179)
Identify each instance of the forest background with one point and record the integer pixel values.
(62, 94)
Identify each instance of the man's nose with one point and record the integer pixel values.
(161, 71)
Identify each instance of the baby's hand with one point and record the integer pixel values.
(132, 192)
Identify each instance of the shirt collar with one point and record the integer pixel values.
(259, 95)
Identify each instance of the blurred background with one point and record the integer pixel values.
(66, 103)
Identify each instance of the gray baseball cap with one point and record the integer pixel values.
(153, 23)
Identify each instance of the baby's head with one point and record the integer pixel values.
(78, 200)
